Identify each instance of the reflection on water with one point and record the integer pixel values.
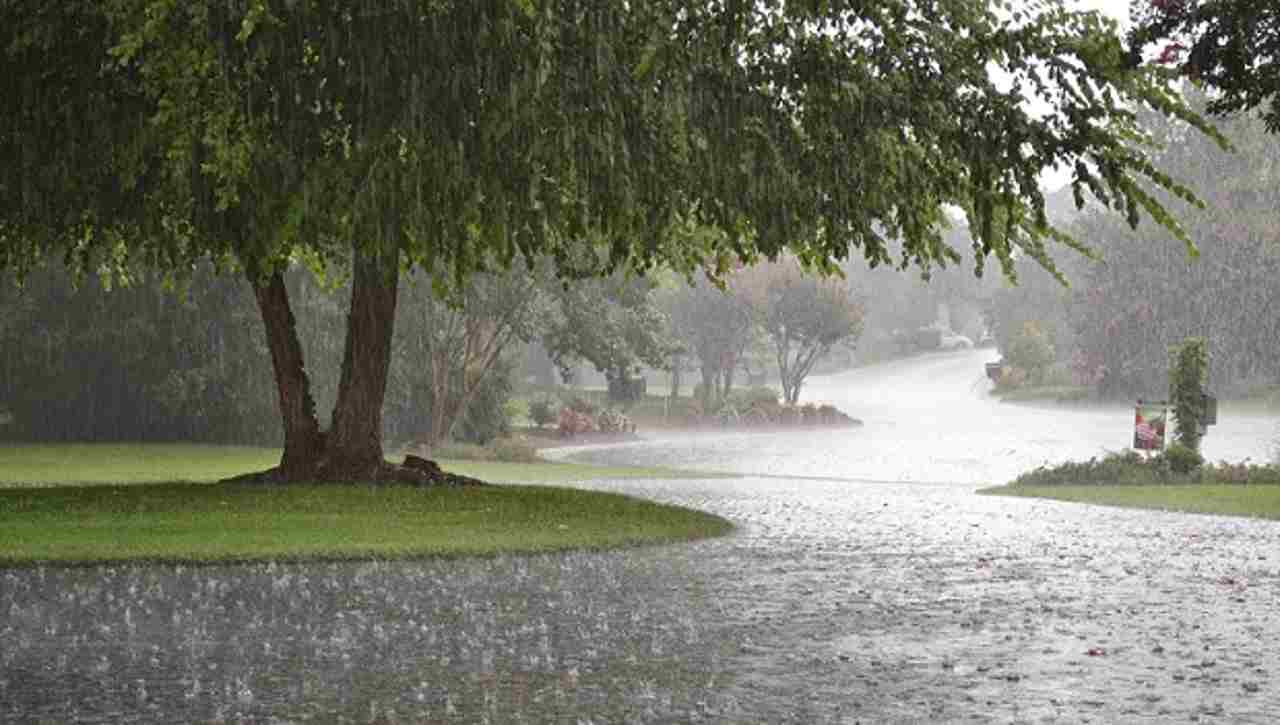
(881, 589)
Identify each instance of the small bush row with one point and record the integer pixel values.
(507, 450)
(752, 406)
(769, 414)
(1177, 464)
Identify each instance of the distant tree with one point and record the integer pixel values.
(715, 325)
(136, 363)
(452, 344)
(1144, 294)
(612, 323)
(803, 316)
(1038, 299)
(452, 134)
(1231, 47)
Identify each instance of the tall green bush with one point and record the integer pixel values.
(1031, 350)
(1188, 374)
(543, 412)
(486, 418)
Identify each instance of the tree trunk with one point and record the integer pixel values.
(793, 393)
(352, 451)
(708, 385)
(784, 376)
(728, 378)
(439, 369)
(303, 442)
(355, 442)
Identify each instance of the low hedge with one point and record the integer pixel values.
(1132, 468)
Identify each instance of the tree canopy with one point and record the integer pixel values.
(803, 316)
(1142, 296)
(1232, 46)
(456, 134)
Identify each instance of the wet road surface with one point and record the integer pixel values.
(866, 583)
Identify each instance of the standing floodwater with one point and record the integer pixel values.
(867, 582)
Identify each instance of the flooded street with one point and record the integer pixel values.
(930, 419)
(866, 583)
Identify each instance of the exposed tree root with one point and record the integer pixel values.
(415, 471)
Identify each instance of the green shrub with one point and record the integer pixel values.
(708, 405)
(1032, 351)
(584, 406)
(613, 421)
(543, 412)
(457, 451)
(508, 450)
(1247, 473)
(1188, 374)
(1176, 465)
(1182, 459)
(672, 410)
(695, 411)
(1127, 467)
(513, 450)
(626, 390)
(486, 417)
(1011, 378)
(516, 411)
(830, 414)
(747, 397)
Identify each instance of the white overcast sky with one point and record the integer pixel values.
(1118, 9)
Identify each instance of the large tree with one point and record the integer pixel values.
(457, 134)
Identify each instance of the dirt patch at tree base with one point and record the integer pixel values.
(415, 471)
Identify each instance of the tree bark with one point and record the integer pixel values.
(355, 441)
(352, 451)
(709, 384)
(304, 444)
(442, 415)
(726, 377)
(784, 370)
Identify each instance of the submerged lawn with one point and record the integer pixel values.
(80, 504)
(1258, 501)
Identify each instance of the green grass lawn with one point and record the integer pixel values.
(80, 504)
(59, 464)
(1043, 394)
(1258, 501)
(125, 463)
